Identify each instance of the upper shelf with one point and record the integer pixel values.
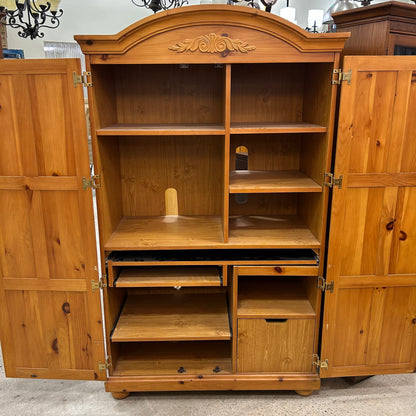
(162, 130)
(258, 181)
(280, 127)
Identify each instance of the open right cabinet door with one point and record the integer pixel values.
(369, 323)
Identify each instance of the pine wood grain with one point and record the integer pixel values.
(168, 276)
(173, 317)
(166, 358)
(261, 347)
(271, 181)
(162, 130)
(273, 298)
(156, 232)
(278, 231)
(273, 127)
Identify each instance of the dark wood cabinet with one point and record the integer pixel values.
(387, 28)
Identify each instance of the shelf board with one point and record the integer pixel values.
(168, 276)
(173, 317)
(258, 181)
(162, 130)
(279, 299)
(150, 358)
(279, 127)
(270, 232)
(182, 232)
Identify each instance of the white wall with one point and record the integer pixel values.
(111, 16)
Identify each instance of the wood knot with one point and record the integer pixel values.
(403, 236)
(378, 143)
(89, 42)
(390, 225)
(414, 321)
(66, 308)
(55, 345)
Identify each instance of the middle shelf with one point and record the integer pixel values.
(260, 181)
(173, 317)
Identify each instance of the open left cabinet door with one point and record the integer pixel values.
(369, 324)
(50, 318)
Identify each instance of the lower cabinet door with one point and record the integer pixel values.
(275, 345)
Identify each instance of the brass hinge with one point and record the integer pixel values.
(338, 76)
(94, 182)
(82, 79)
(102, 283)
(323, 285)
(105, 366)
(318, 363)
(333, 181)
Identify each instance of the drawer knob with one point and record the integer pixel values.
(278, 269)
(181, 370)
(216, 369)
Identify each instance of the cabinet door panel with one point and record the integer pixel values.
(50, 319)
(368, 319)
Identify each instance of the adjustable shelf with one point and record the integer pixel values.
(249, 181)
(270, 231)
(279, 127)
(159, 129)
(173, 317)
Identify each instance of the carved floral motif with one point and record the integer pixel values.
(212, 43)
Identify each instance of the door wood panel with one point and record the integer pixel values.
(370, 319)
(50, 319)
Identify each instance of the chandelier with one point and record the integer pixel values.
(30, 16)
(157, 5)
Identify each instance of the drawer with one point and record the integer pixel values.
(275, 345)
(277, 270)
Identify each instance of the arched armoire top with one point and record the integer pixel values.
(217, 33)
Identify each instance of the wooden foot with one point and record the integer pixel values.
(120, 395)
(356, 379)
(304, 392)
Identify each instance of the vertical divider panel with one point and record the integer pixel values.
(227, 118)
(234, 300)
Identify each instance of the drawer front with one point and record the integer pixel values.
(275, 345)
(278, 270)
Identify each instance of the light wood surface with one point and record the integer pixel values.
(265, 381)
(50, 320)
(157, 232)
(168, 276)
(371, 308)
(249, 181)
(173, 317)
(268, 127)
(162, 130)
(166, 358)
(273, 298)
(278, 231)
(274, 346)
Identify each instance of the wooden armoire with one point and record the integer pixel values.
(232, 255)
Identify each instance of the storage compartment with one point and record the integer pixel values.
(275, 345)
(173, 315)
(292, 96)
(161, 191)
(279, 220)
(276, 297)
(136, 99)
(173, 358)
